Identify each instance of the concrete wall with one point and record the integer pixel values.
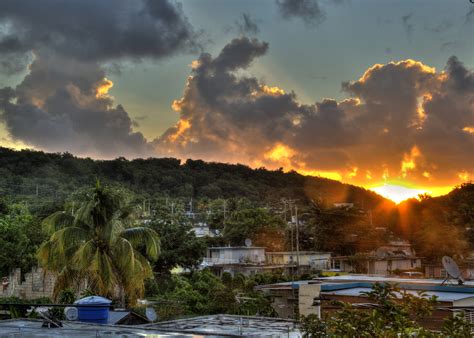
(307, 292)
(34, 285)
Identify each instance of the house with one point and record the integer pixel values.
(300, 295)
(238, 259)
(313, 260)
(343, 205)
(252, 260)
(393, 258)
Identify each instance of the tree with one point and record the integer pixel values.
(98, 243)
(179, 245)
(20, 237)
(249, 223)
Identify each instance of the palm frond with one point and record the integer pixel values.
(56, 221)
(144, 236)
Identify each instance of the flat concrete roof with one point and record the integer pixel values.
(33, 328)
(205, 326)
(369, 278)
(365, 281)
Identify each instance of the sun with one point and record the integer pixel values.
(398, 193)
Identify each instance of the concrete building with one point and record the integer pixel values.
(349, 288)
(396, 257)
(313, 259)
(240, 259)
(253, 260)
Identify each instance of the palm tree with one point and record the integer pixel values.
(99, 245)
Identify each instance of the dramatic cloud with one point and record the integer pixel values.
(247, 25)
(90, 30)
(309, 11)
(404, 120)
(62, 104)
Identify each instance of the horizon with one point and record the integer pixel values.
(396, 193)
(388, 107)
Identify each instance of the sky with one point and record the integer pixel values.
(373, 93)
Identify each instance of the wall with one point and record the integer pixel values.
(307, 292)
(35, 285)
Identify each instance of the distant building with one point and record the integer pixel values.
(397, 256)
(344, 205)
(253, 260)
(313, 260)
(240, 259)
(202, 230)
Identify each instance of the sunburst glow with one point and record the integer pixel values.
(397, 193)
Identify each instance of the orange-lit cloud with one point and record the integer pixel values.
(408, 162)
(103, 88)
(403, 122)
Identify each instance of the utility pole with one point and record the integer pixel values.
(297, 238)
(224, 210)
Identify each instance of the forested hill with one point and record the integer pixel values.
(31, 174)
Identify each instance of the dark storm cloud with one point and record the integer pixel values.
(56, 108)
(247, 25)
(90, 30)
(62, 104)
(386, 129)
(309, 11)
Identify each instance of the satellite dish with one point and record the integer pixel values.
(248, 242)
(151, 314)
(452, 269)
(71, 313)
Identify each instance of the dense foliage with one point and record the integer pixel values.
(20, 236)
(30, 174)
(201, 293)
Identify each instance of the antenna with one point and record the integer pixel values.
(151, 314)
(248, 242)
(452, 270)
(71, 313)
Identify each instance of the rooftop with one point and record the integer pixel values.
(215, 326)
(231, 325)
(365, 281)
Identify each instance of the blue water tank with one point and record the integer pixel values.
(93, 309)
